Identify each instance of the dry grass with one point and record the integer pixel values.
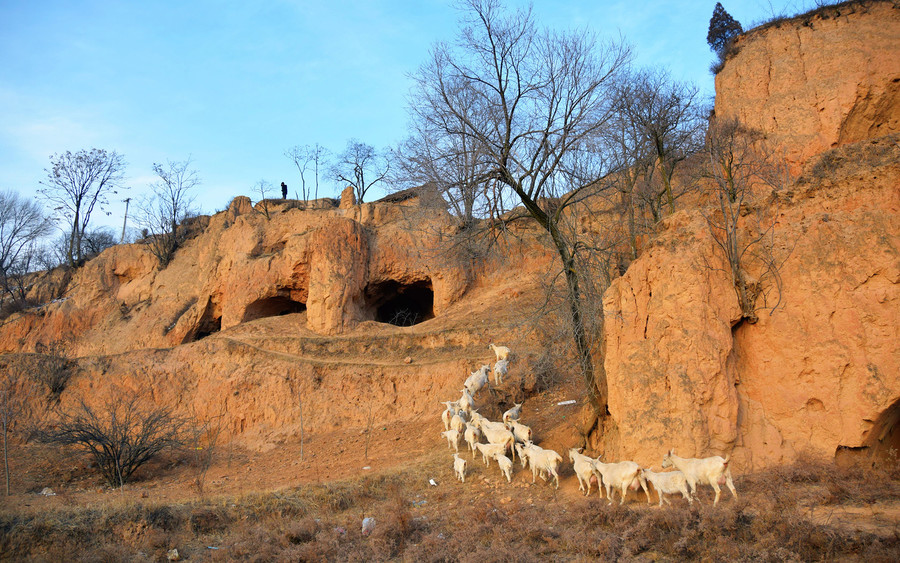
(476, 521)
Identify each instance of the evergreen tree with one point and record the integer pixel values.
(722, 30)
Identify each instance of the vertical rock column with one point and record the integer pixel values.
(338, 269)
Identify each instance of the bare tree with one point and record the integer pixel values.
(78, 183)
(447, 163)
(22, 225)
(657, 125)
(169, 204)
(360, 166)
(14, 395)
(666, 113)
(533, 104)
(204, 432)
(738, 167)
(263, 187)
(121, 436)
(308, 158)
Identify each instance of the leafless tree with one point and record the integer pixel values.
(667, 115)
(263, 188)
(308, 158)
(360, 166)
(14, 395)
(22, 225)
(447, 163)
(532, 103)
(657, 125)
(738, 167)
(78, 183)
(168, 205)
(121, 435)
(204, 432)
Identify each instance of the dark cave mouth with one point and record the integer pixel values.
(272, 307)
(400, 304)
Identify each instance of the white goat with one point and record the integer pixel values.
(620, 475)
(513, 413)
(506, 466)
(472, 435)
(488, 451)
(452, 407)
(543, 461)
(523, 455)
(501, 368)
(475, 417)
(458, 422)
(502, 352)
(520, 432)
(459, 467)
(667, 483)
(477, 379)
(584, 469)
(452, 438)
(713, 470)
(466, 402)
(497, 433)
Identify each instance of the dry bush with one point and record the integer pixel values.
(121, 435)
(458, 524)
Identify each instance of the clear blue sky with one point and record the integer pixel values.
(234, 84)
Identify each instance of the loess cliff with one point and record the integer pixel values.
(371, 310)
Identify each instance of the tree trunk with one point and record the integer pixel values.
(5, 457)
(594, 379)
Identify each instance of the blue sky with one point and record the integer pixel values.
(235, 84)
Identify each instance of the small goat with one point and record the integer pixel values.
(477, 379)
(667, 483)
(501, 368)
(459, 467)
(584, 469)
(513, 413)
(502, 352)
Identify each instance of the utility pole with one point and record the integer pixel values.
(125, 222)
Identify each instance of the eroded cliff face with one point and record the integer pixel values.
(339, 265)
(278, 324)
(818, 82)
(818, 374)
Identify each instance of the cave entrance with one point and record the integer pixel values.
(210, 322)
(272, 307)
(400, 304)
(881, 445)
(884, 437)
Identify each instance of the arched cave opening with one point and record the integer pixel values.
(210, 322)
(272, 307)
(400, 304)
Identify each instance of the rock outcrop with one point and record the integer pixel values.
(813, 375)
(816, 82)
(339, 265)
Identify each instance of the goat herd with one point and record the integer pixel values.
(463, 422)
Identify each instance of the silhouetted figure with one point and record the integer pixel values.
(283, 190)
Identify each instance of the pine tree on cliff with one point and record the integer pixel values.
(722, 30)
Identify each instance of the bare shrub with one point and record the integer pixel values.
(121, 435)
(203, 440)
